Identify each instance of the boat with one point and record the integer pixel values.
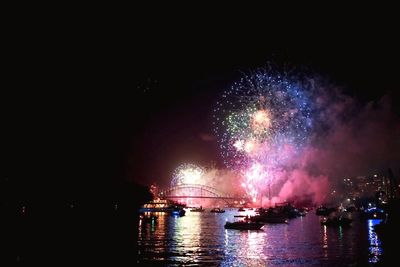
(200, 209)
(374, 213)
(336, 221)
(243, 225)
(288, 209)
(217, 210)
(178, 212)
(272, 215)
(161, 205)
(324, 211)
(303, 211)
(241, 209)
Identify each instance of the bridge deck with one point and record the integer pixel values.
(199, 191)
(204, 197)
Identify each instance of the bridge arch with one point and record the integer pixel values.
(197, 191)
(182, 187)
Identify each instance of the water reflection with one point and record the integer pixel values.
(199, 239)
(186, 238)
(375, 249)
(325, 242)
(255, 245)
(244, 248)
(152, 237)
(340, 232)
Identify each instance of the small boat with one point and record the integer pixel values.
(200, 209)
(302, 213)
(336, 221)
(324, 211)
(374, 213)
(272, 215)
(243, 225)
(287, 209)
(241, 209)
(217, 210)
(178, 212)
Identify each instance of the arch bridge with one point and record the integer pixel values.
(197, 191)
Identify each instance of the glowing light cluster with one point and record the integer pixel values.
(187, 174)
(262, 121)
(254, 175)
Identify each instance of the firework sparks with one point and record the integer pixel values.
(264, 120)
(260, 121)
(187, 174)
(254, 175)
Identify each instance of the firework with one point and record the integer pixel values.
(262, 122)
(253, 176)
(187, 174)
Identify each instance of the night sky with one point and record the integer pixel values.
(87, 108)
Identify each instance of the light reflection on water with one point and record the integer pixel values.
(199, 239)
(375, 248)
(325, 242)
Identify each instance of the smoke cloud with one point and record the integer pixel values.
(348, 139)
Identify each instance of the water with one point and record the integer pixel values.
(199, 239)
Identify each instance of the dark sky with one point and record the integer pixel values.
(96, 104)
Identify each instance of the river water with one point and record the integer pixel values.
(199, 239)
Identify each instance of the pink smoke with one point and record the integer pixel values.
(349, 140)
(302, 187)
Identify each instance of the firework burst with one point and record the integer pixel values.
(187, 174)
(262, 121)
